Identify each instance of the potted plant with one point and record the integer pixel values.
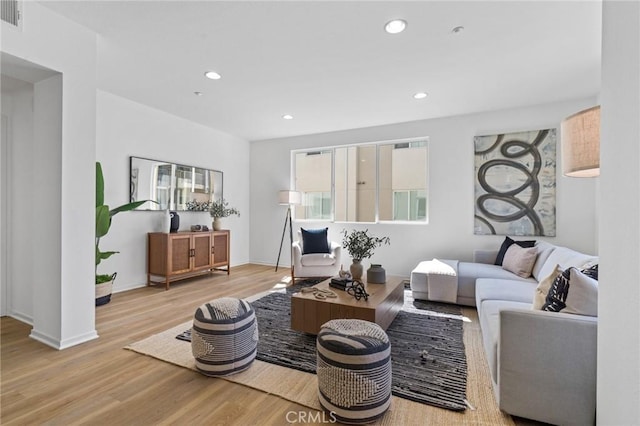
(220, 208)
(104, 282)
(360, 245)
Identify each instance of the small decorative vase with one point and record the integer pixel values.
(217, 224)
(356, 270)
(376, 274)
(166, 222)
(175, 222)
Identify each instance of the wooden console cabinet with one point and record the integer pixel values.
(180, 255)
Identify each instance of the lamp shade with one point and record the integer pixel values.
(289, 197)
(581, 143)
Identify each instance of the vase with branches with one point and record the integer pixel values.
(361, 245)
(219, 209)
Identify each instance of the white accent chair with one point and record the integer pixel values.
(314, 265)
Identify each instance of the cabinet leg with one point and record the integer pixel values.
(166, 283)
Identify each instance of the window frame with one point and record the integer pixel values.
(422, 140)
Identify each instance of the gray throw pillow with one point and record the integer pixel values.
(520, 260)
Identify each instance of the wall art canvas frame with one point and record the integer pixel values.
(515, 183)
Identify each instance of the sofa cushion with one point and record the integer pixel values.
(489, 315)
(507, 243)
(566, 258)
(573, 292)
(318, 259)
(520, 260)
(544, 251)
(508, 290)
(315, 241)
(483, 270)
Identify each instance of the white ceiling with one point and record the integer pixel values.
(331, 65)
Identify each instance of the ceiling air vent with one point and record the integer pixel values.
(10, 11)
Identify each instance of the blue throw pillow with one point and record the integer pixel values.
(315, 241)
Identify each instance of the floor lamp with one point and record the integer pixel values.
(288, 198)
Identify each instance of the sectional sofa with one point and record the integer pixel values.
(542, 364)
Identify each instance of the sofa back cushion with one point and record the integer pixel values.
(564, 257)
(544, 250)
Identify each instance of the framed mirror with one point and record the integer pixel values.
(173, 186)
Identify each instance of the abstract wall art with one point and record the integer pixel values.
(515, 183)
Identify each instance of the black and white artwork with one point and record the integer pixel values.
(515, 183)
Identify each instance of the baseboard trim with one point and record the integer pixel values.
(27, 319)
(62, 344)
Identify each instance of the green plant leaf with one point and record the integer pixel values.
(99, 185)
(127, 207)
(103, 255)
(103, 221)
(103, 215)
(103, 278)
(107, 254)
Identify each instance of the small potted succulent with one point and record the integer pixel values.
(220, 208)
(360, 245)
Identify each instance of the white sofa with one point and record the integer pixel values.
(543, 364)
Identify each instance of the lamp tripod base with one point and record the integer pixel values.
(287, 222)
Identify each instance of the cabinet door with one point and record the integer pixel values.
(202, 248)
(221, 248)
(179, 253)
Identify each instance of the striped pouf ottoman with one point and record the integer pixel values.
(354, 370)
(224, 337)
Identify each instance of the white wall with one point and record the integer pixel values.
(619, 296)
(50, 41)
(126, 128)
(449, 233)
(17, 106)
(4, 137)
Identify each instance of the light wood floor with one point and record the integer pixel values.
(99, 382)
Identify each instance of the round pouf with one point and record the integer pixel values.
(224, 337)
(354, 370)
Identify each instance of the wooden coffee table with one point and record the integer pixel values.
(385, 301)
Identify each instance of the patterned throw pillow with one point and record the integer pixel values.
(574, 291)
(591, 272)
(540, 295)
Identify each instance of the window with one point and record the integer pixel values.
(409, 205)
(317, 205)
(384, 181)
(314, 181)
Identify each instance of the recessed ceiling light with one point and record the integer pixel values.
(458, 29)
(288, 117)
(212, 75)
(198, 93)
(420, 95)
(396, 26)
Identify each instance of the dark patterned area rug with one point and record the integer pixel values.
(427, 351)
